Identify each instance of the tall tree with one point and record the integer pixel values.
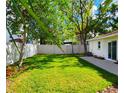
(21, 15)
(35, 19)
(53, 21)
(87, 24)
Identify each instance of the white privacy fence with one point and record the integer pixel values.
(54, 49)
(12, 54)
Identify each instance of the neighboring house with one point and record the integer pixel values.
(68, 42)
(104, 46)
(7, 37)
(17, 38)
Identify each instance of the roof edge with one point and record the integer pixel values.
(102, 37)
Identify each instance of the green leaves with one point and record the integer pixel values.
(106, 5)
(54, 18)
(16, 8)
(30, 11)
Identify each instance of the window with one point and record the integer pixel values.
(99, 45)
(19, 35)
(112, 50)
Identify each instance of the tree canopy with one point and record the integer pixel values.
(54, 21)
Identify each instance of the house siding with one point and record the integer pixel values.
(103, 51)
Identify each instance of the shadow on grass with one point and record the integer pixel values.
(106, 75)
(44, 61)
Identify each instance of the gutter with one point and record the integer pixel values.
(102, 37)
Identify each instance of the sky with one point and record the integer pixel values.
(97, 3)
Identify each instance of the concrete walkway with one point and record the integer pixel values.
(104, 64)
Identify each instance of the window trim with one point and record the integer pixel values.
(99, 45)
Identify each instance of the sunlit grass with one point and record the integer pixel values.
(60, 74)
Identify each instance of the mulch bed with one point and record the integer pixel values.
(11, 71)
(110, 89)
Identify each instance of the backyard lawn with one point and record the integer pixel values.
(59, 74)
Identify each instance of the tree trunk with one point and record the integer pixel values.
(22, 47)
(21, 55)
(41, 41)
(85, 47)
(81, 38)
(85, 43)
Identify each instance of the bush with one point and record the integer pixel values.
(89, 54)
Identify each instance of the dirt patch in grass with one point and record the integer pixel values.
(8, 82)
(13, 70)
(110, 89)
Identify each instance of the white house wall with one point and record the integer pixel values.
(103, 51)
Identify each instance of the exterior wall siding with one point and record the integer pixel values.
(103, 51)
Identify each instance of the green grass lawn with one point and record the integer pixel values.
(60, 74)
